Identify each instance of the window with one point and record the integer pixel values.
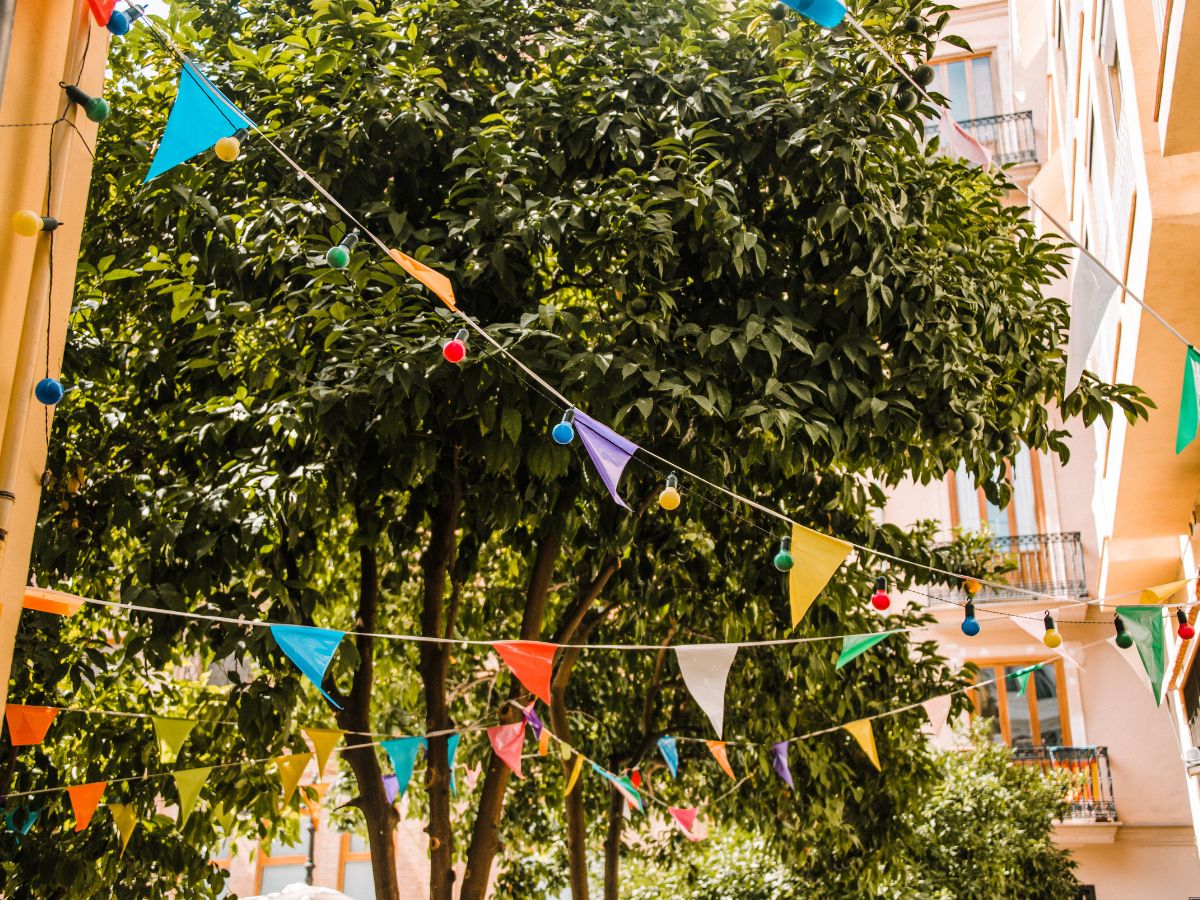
(1191, 701)
(1038, 717)
(286, 862)
(972, 511)
(355, 878)
(968, 84)
(1114, 85)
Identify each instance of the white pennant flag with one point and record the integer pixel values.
(1092, 290)
(705, 669)
(1035, 629)
(937, 709)
(957, 143)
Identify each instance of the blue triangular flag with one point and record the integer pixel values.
(310, 649)
(451, 750)
(826, 13)
(670, 752)
(403, 752)
(200, 116)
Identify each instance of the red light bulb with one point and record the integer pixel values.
(455, 350)
(1186, 631)
(880, 599)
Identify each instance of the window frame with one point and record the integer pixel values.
(265, 860)
(939, 64)
(996, 668)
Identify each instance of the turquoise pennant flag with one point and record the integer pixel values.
(1145, 626)
(310, 649)
(451, 752)
(403, 753)
(1021, 676)
(200, 116)
(670, 752)
(854, 645)
(1189, 402)
(826, 13)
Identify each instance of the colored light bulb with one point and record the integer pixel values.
(880, 599)
(338, 256)
(48, 391)
(1051, 638)
(455, 350)
(118, 23)
(972, 586)
(564, 431)
(669, 498)
(27, 223)
(95, 108)
(970, 625)
(1186, 631)
(1124, 638)
(228, 148)
(783, 559)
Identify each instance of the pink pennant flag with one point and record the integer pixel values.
(686, 820)
(959, 144)
(506, 742)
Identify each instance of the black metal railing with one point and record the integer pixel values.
(1045, 563)
(1009, 137)
(1089, 788)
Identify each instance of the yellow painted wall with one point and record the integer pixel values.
(49, 41)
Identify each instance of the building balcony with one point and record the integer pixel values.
(1090, 790)
(1045, 563)
(1009, 137)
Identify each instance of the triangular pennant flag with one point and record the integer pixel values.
(826, 13)
(636, 777)
(47, 601)
(200, 116)
(27, 725)
(534, 721)
(21, 820)
(1035, 629)
(685, 819)
(291, 768)
(865, 735)
(779, 763)
(1145, 625)
(84, 800)
(1189, 401)
(574, 777)
(623, 786)
(323, 741)
(432, 279)
(564, 751)
(125, 818)
(705, 669)
(530, 662)
(391, 787)
(313, 794)
(101, 10)
(1092, 291)
(815, 557)
(189, 782)
(1021, 677)
(670, 753)
(854, 645)
(717, 749)
(506, 742)
(937, 709)
(609, 451)
(451, 752)
(1160, 592)
(958, 143)
(403, 754)
(311, 649)
(171, 734)
(543, 743)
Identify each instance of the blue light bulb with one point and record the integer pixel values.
(118, 23)
(564, 431)
(48, 391)
(970, 627)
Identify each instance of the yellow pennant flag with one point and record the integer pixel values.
(1159, 593)
(291, 768)
(188, 782)
(574, 774)
(323, 741)
(125, 817)
(815, 557)
(435, 281)
(171, 735)
(865, 735)
(544, 743)
(564, 750)
(717, 749)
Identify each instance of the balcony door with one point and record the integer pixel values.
(972, 511)
(1035, 718)
(969, 83)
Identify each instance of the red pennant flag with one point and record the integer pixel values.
(530, 662)
(636, 777)
(27, 725)
(717, 749)
(685, 819)
(84, 800)
(102, 10)
(506, 741)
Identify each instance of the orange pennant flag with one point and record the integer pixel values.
(435, 281)
(530, 662)
(48, 601)
(27, 725)
(312, 795)
(544, 743)
(717, 749)
(84, 800)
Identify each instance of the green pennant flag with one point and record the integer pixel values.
(854, 645)
(1189, 401)
(189, 782)
(1145, 625)
(171, 734)
(1021, 676)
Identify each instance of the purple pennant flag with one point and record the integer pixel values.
(608, 450)
(779, 762)
(391, 787)
(533, 721)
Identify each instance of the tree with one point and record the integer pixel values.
(717, 230)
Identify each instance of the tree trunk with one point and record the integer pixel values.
(573, 802)
(612, 843)
(435, 565)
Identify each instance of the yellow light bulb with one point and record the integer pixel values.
(228, 149)
(669, 498)
(26, 222)
(1052, 638)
